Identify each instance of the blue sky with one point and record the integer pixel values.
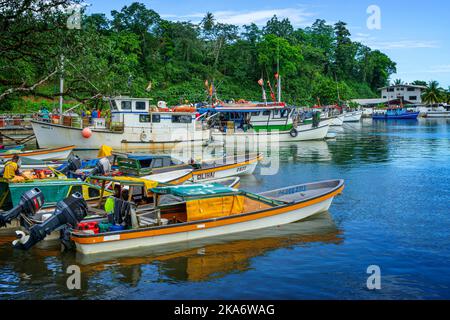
(415, 34)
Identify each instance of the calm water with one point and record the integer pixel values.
(394, 213)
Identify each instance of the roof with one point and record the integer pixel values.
(404, 85)
(369, 101)
(143, 156)
(196, 190)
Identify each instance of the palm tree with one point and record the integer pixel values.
(398, 82)
(432, 94)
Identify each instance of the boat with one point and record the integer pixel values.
(354, 116)
(134, 125)
(440, 112)
(185, 213)
(39, 155)
(262, 123)
(54, 190)
(395, 114)
(150, 165)
(337, 121)
(11, 149)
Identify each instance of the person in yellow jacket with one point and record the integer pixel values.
(12, 172)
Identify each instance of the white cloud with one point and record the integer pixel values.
(297, 16)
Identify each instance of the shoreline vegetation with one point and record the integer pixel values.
(138, 53)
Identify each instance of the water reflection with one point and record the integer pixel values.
(42, 271)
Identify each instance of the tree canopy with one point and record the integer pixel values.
(138, 53)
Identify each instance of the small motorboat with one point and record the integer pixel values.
(354, 116)
(40, 155)
(395, 114)
(188, 212)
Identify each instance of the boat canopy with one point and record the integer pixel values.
(196, 190)
(130, 181)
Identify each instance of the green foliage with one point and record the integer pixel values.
(138, 53)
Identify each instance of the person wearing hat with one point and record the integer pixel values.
(12, 171)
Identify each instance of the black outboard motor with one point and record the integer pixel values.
(69, 212)
(102, 167)
(73, 164)
(30, 203)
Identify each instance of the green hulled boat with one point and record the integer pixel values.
(54, 190)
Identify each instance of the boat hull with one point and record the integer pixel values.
(203, 230)
(128, 140)
(406, 116)
(41, 155)
(438, 114)
(227, 170)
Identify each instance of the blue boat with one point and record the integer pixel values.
(395, 114)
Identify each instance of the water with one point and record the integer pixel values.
(394, 213)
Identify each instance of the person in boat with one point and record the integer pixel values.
(12, 171)
(45, 115)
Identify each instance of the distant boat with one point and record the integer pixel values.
(11, 149)
(354, 116)
(395, 114)
(441, 112)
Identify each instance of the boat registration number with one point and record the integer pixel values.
(111, 238)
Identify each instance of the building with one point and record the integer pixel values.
(406, 92)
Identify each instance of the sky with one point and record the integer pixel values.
(415, 34)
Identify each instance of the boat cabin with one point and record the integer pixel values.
(142, 165)
(136, 113)
(257, 117)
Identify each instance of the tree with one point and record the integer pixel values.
(419, 83)
(397, 82)
(432, 94)
(282, 29)
(345, 51)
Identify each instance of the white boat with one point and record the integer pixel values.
(263, 123)
(354, 116)
(440, 112)
(199, 217)
(134, 125)
(40, 155)
(337, 121)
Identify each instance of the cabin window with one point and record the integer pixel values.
(145, 118)
(181, 119)
(283, 113)
(93, 193)
(266, 113)
(76, 189)
(126, 105)
(255, 114)
(140, 105)
(114, 105)
(157, 163)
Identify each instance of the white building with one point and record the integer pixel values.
(406, 92)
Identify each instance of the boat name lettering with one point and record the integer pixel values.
(207, 175)
(201, 226)
(242, 169)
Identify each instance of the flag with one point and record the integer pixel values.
(272, 94)
(149, 86)
(206, 84)
(276, 75)
(261, 82)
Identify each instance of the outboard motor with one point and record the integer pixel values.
(30, 203)
(102, 167)
(69, 212)
(73, 164)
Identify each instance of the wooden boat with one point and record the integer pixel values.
(262, 124)
(154, 166)
(41, 154)
(54, 190)
(395, 114)
(133, 125)
(184, 213)
(11, 149)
